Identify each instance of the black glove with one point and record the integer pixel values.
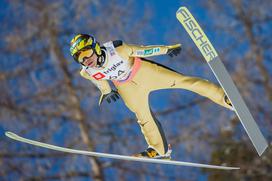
(110, 97)
(174, 50)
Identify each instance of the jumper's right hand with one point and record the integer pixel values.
(113, 96)
(173, 50)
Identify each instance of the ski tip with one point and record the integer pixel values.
(10, 134)
(182, 8)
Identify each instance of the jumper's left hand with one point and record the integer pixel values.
(113, 96)
(173, 50)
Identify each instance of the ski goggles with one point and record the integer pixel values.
(83, 55)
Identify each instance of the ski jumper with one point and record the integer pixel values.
(135, 77)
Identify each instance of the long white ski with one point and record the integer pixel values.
(223, 77)
(114, 156)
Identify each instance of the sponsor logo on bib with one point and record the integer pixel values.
(98, 76)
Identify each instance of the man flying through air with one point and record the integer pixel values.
(134, 78)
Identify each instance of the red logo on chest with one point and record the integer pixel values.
(98, 76)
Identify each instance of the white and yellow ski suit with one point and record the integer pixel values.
(135, 77)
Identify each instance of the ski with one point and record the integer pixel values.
(207, 50)
(114, 156)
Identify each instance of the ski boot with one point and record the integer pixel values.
(227, 101)
(150, 152)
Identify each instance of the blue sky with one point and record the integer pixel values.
(164, 15)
